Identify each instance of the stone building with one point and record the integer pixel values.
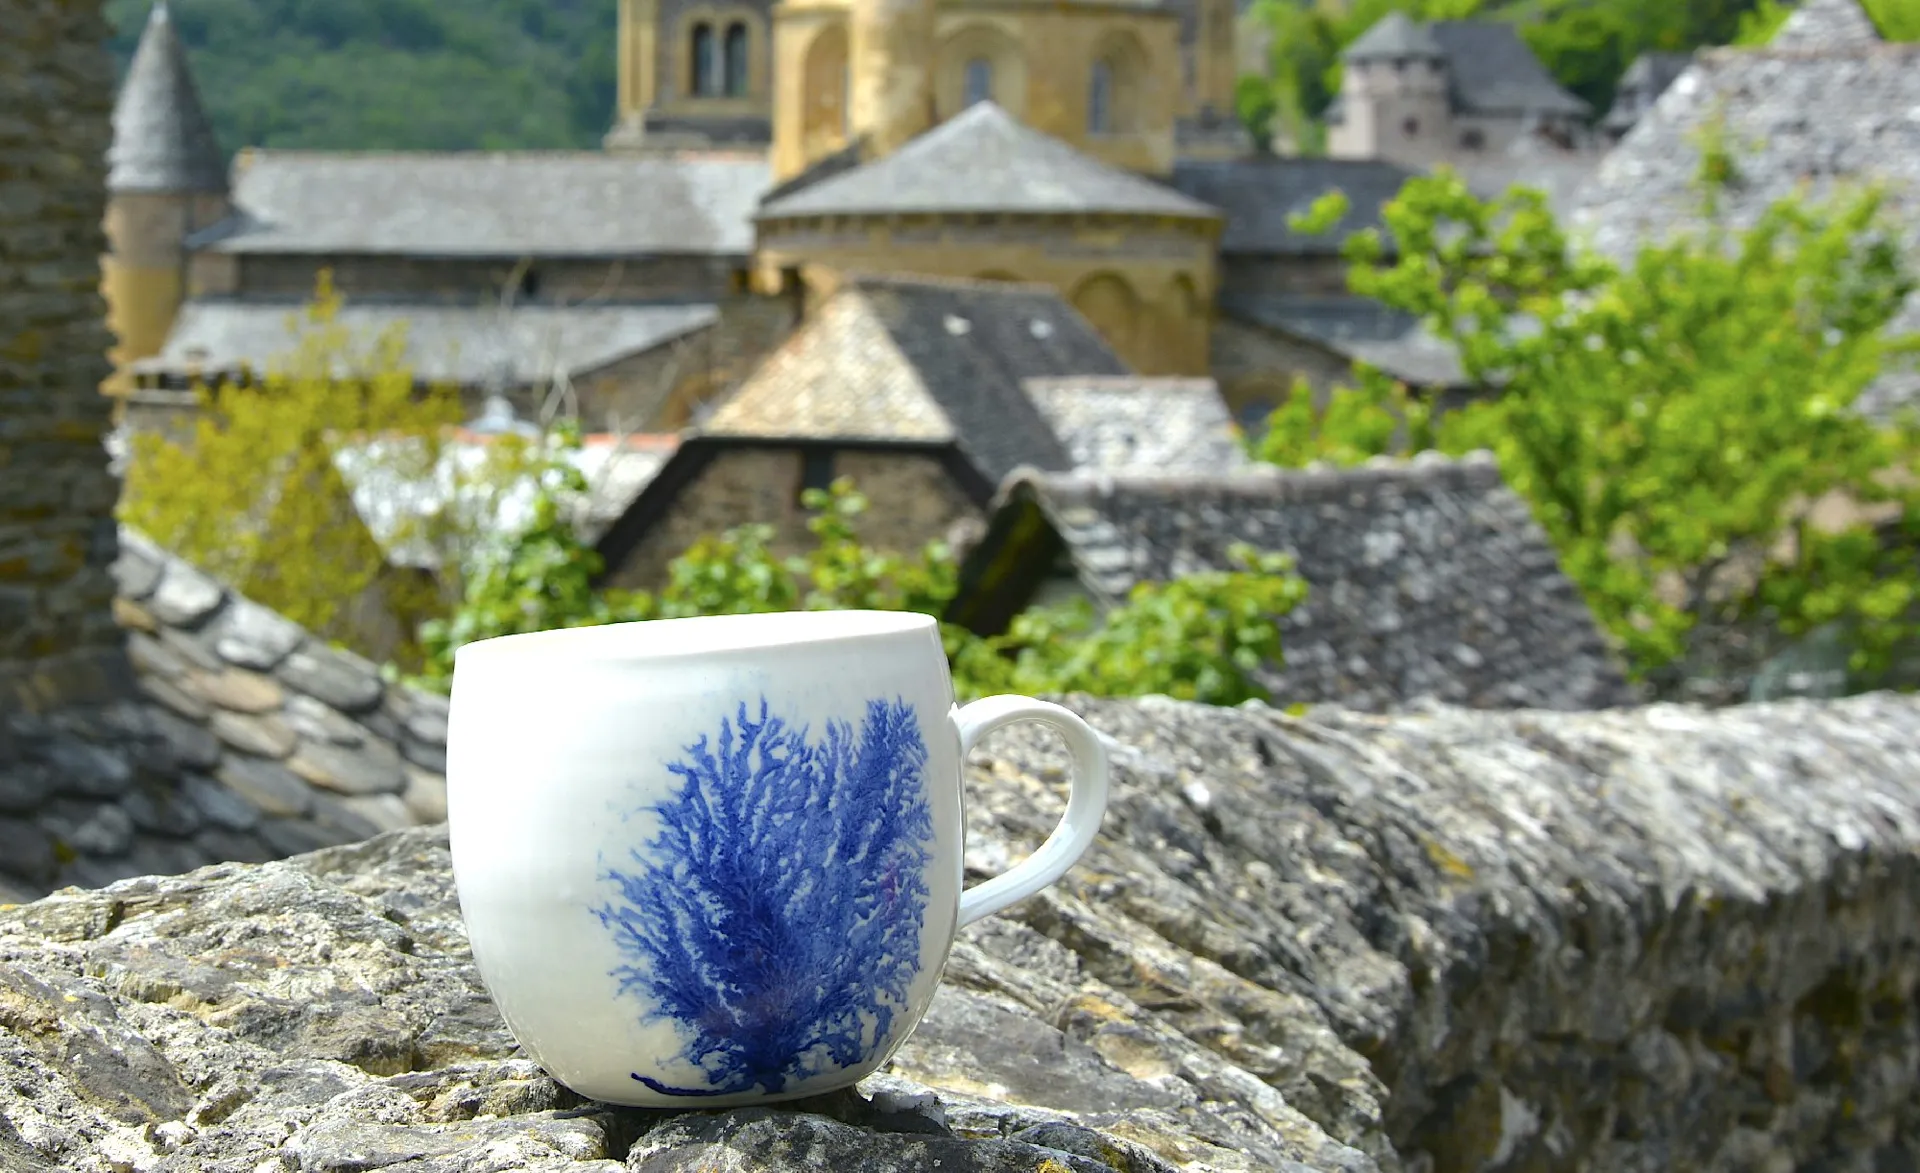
(150, 720)
(1421, 94)
(1808, 114)
(756, 151)
(1427, 578)
(926, 392)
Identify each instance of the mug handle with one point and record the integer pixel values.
(1086, 802)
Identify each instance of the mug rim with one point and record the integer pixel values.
(699, 635)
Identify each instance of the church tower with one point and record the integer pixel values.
(890, 72)
(165, 181)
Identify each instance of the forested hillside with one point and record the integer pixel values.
(405, 74)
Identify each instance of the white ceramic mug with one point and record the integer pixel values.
(717, 861)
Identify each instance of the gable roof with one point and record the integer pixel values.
(1426, 578)
(491, 204)
(1798, 121)
(162, 140)
(984, 160)
(1826, 24)
(1258, 195)
(1129, 423)
(471, 345)
(1492, 71)
(1394, 36)
(923, 360)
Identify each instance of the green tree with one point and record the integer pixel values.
(1672, 419)
(1197, 638)
(253, 494)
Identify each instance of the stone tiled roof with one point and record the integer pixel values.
(284, 738)
(1492, 71)
(923, 360)
(1395, 35)
(1359, 329)
(1427, 578)
(1140, 423)
(1797, 121)
(1826, 24)
(162, 140)
(497, 204)
(470, 345)
(984, 160)
(1259, 194)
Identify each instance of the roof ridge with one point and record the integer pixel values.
(868, 278)
(1266, 479)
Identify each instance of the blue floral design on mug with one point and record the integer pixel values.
(776, 917)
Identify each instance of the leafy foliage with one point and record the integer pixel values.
(776, 917)
(1197, 638)
(252, 493)
(395, 74)
(1672, 420)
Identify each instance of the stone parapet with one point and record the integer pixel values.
(1640, 940)
(235, 736)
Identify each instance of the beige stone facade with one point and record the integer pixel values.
(1147, 286)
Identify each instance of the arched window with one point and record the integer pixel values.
(706, 63)
(979, 82)
(1100, 99)
(736, 60)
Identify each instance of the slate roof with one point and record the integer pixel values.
(1357, 328)
(1428, 578)
(1809, 120)
(1394, 36)
(162, 140)
(496, 204)
(1258, 194)
(923, 360)
(1818, 25)
(1492, 71)
(1129, 423)
(984, 160)
(470, 345)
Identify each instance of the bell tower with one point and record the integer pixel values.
(165, 181)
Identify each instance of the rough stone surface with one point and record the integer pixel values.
(1647, 939)
(1427, 578)
(237, 744)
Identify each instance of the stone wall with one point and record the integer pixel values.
(762, 485)
(249, 740)
(1640, 941)
(58, 642)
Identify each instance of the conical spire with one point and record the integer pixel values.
(161, 138)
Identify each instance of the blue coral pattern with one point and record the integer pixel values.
(776, 917)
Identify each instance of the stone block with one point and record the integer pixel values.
(251, 636)
(273, 789)
(263, 735)
(185, 597)
(373, 768)
(341, 679)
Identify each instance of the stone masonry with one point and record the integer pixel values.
(228, 733)
(58, 642)
(1654, 940)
